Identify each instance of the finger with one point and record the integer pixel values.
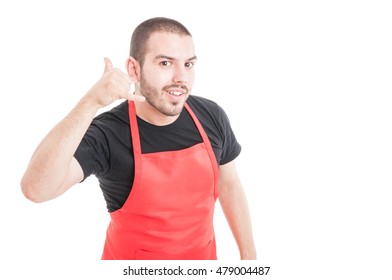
(108, 65)
(131, 88)
(123, 80)
(126, 78)
(136, 97)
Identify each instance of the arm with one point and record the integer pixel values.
(53, 169)
(234, 205)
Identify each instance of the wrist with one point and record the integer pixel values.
(89, 103)
(249, 255)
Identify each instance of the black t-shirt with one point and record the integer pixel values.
(106, 149)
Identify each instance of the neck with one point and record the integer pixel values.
(150, 114)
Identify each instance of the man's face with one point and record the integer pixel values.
(167, 74)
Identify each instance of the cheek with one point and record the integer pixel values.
(191, 80)
(156, 79)
(160, 76)
(160, 81)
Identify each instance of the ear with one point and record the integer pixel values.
(133, 68)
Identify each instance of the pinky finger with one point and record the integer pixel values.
(135, 97)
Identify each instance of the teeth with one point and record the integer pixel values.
(175, 93)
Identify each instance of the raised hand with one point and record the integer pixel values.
(113, 85)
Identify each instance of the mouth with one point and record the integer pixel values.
(175, 93)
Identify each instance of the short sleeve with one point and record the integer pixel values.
(92, 152)
(230, 146)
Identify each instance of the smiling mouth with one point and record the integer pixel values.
(176, 90)
(175, 93)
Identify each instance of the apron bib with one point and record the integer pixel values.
(169, 212)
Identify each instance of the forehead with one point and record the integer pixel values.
(169, 44)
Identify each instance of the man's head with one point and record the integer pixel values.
(161, 65)
(144, 30)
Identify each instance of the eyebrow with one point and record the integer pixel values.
(172, 58)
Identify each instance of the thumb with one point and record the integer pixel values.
(108, 65)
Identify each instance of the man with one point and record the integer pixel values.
(162, 157)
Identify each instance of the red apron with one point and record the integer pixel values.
(169, 212)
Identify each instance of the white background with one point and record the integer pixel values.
(307, 87)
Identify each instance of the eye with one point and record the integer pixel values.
(189, 64)
(165, 63)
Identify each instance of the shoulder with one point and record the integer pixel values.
(199, 102)
(210, 114)
(110, 126)
(208, 110)
(117, 115)
(217, 126)
(205, 109)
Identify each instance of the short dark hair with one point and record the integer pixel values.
(145, 29)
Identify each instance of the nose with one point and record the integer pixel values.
(181, 75)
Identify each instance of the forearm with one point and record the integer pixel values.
(235, 208)
(51, 160)
(52, 170)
